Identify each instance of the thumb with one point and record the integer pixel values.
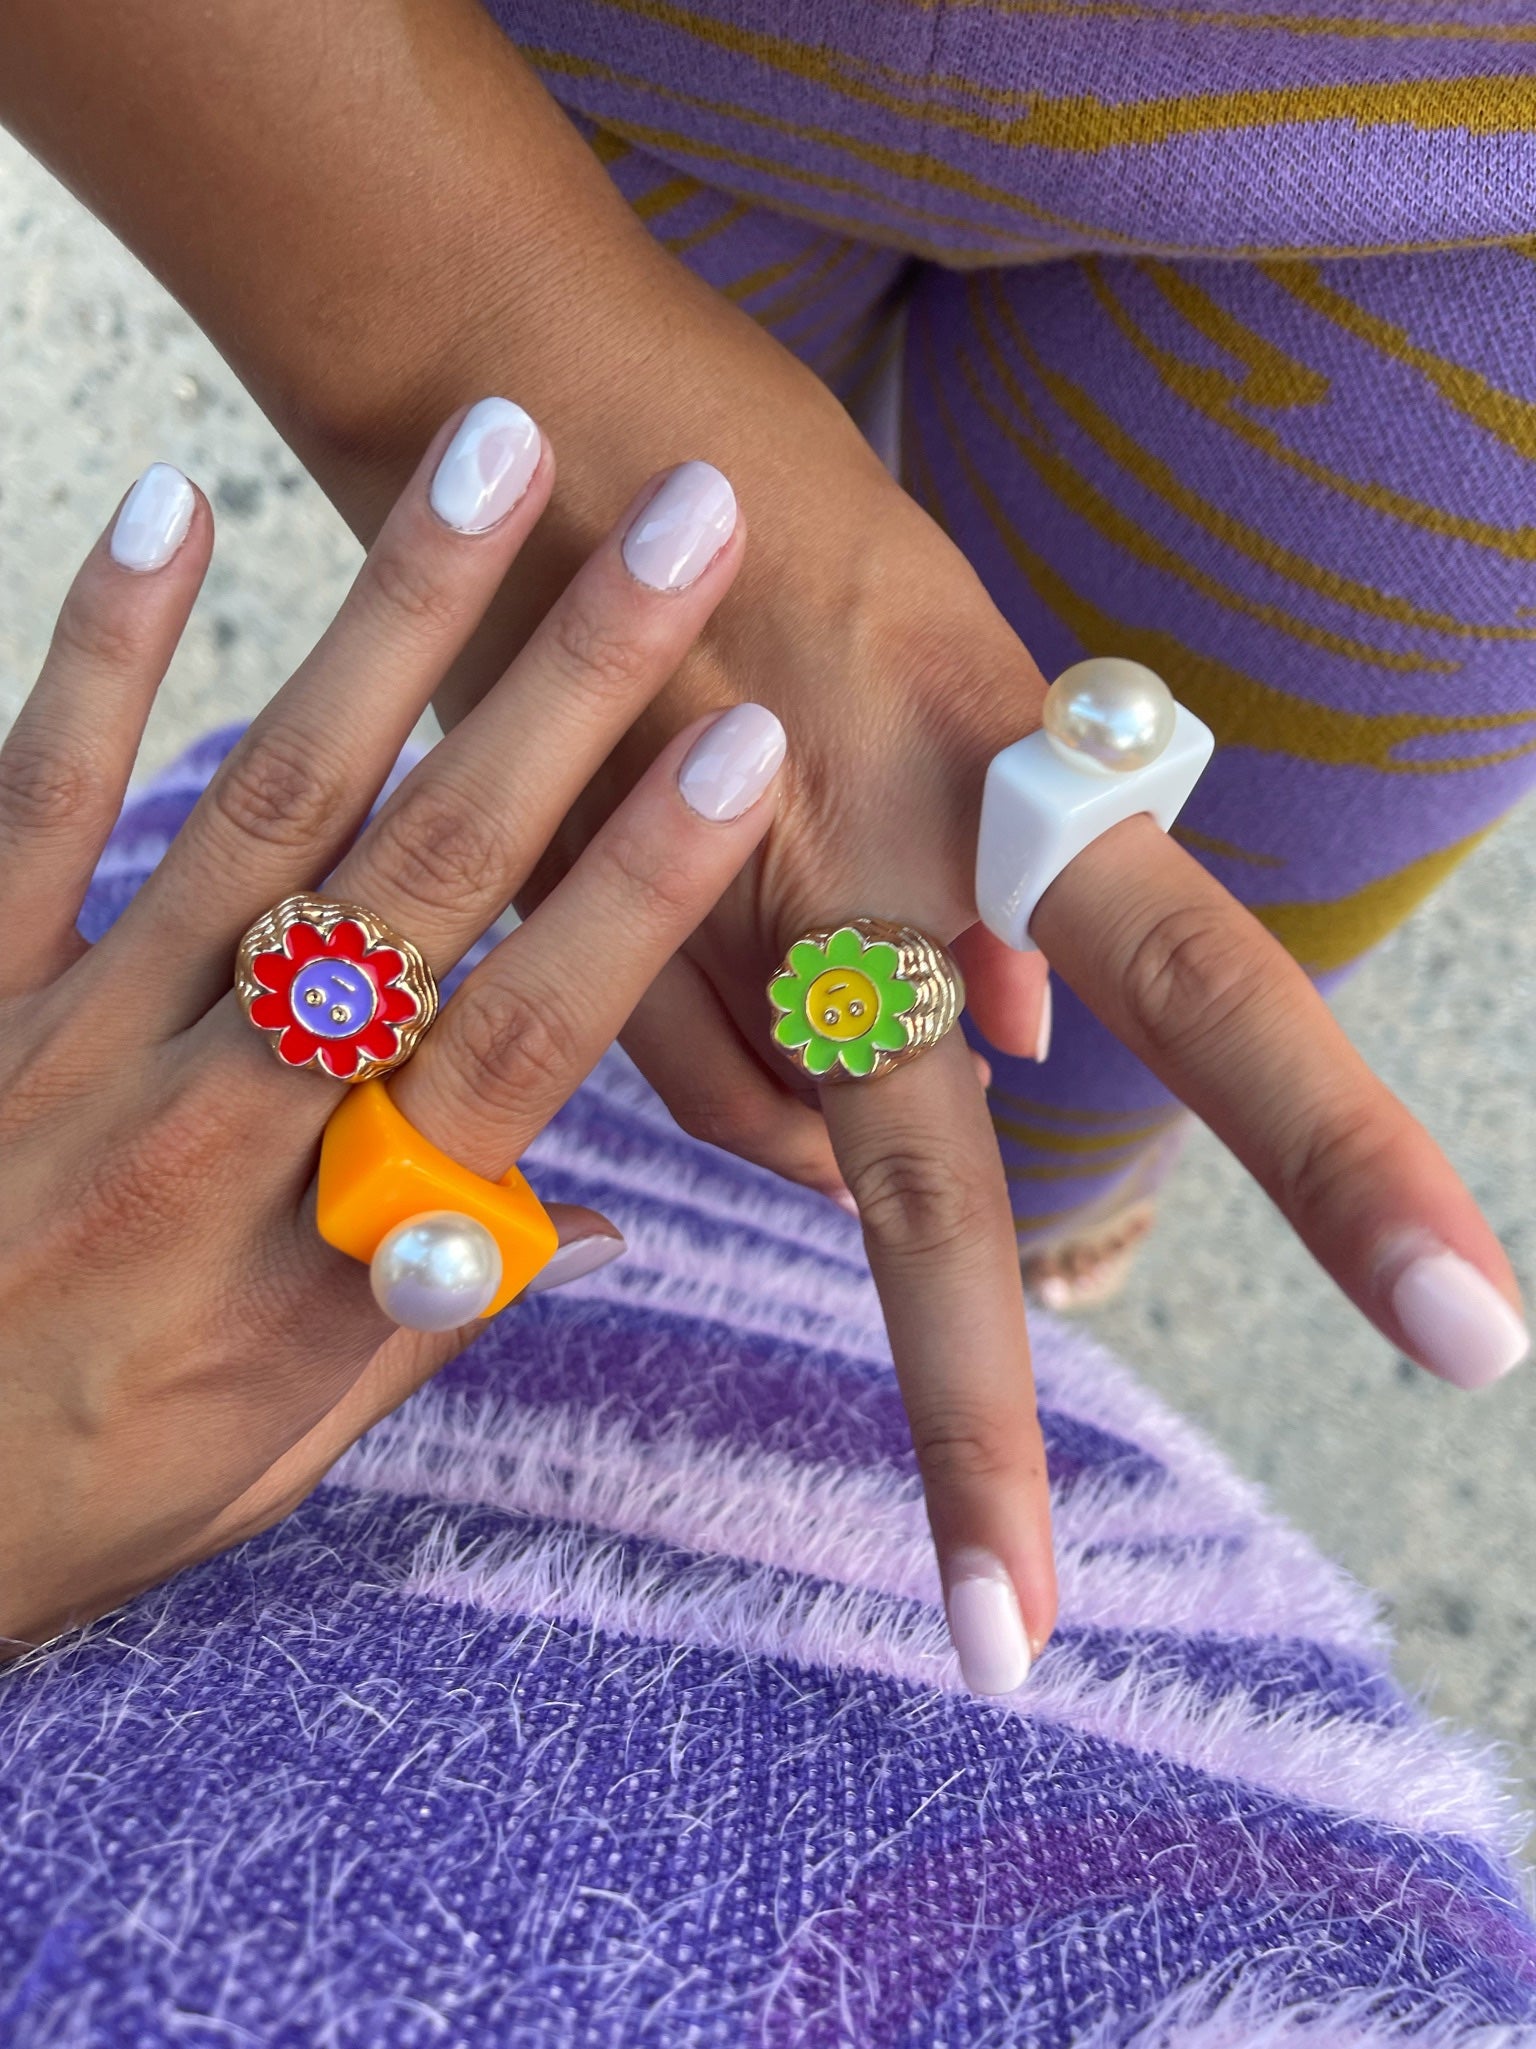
(588, 1240)
(1008, 994)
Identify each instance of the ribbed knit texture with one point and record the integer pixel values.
(602, 1697)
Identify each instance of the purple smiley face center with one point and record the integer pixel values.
(333, 998)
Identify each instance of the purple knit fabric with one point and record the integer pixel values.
(601, 1697)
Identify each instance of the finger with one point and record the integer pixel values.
(535, 1017)
(67, 759)
(293, 792)
(458, 839)
(1196, 987)
(1007, 993)
(719, 1090)
(918, 1152)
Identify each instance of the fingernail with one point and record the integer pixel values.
(732, 762)
(843, 1197)
(985, 1625)
(154, 519)
(577, 1256)
(676, 534)
(1043, 1035)
(486, 467)
(1455, 1320)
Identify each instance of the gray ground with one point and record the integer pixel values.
(1428, 1495)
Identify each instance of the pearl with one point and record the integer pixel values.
(436, 1271)
(1108, 713)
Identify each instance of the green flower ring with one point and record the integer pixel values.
(859, 999)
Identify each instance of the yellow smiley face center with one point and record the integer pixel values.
(841, 1004)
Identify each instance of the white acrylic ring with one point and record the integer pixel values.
(1043, 803)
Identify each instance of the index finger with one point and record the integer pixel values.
(1214, 1005)
(917, 1150)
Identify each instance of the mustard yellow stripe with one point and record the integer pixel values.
(1107, 519)
(1273, 377)
(729, 215)
(1079, 1145)
(607, 147)
(1163, 481)
(755, 281)
(830, 318)
(1241, 711)
(1208, 392)
(809, 289)
(1207, 843)
(1138, 1127)
(1347, 29)
(1324, 936)
(1498, 412)
(662, 198)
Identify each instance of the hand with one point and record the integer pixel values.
(181, 1356)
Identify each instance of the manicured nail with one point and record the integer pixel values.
(486, 467)
(1455, 1320)
(577, 1256)
(676, 534)
(154, 519)
(843, 1197)
(732, 762)
(985, 1625)
(1043, 1035)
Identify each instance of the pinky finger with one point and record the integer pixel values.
(66, 761)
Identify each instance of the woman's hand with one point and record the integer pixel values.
(181, 1356)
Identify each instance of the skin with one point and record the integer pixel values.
(376, 211)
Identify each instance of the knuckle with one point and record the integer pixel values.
(959, 1450)
(1185, 976)
(594, 651)
(281, 790)
(654, 885)
(150, 1180)
(916, 1205)
(512, 1049)
(439, 849)
(1324, 1158)
(404, 591)
(50, 786)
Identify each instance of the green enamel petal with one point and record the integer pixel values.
(793, 1031)
(896, 997)
(788, 992)
(889, 1034)
(820, 1056)
(880, 961)
(806, 959)
(844, 948)
(858, 1056)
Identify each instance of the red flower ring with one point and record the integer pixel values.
(335, 988)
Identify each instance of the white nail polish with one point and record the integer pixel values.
(576, 1257)
(985, 1624)
(732, 763)
(486, 468)
(1454, 1319)
(154, 519)
(1043, 1035)
(679, 531)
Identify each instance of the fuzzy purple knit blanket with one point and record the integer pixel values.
(602, 1697)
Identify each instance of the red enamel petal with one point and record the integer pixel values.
(297, 1045)
(340, 1059)
(303, 943)
(377, 1041)
(274, 971)
(348, 941)
(271, 1013)
(397, 1006)
(387, 965)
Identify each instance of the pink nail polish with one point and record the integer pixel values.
(679, 531)
(1043, 1034)
(985, 1624)
(486, 468)
(732, 763)
(578, 1256)
(843, 1197)
(1454, 1320)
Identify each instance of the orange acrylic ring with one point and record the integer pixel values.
(378, 1175)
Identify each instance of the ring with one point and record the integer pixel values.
(333, 987)
(443, 1246)
(1113, 743)
(857, 999)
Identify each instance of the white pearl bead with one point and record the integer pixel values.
(436, 1271)
(1107, 713)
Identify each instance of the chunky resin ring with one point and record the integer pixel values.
(442, 1245)
(334, 988)
(859, 999)
(1113, 743)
